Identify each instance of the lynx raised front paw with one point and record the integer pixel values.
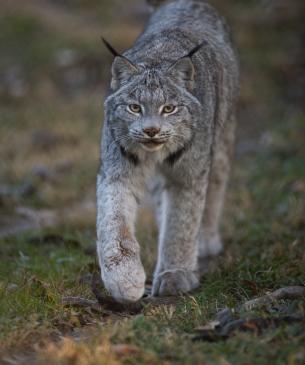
(174, 282)
(123, 275)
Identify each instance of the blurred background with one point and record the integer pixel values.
(54, 71)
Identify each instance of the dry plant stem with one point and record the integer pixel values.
(81, 302)
(288, 292)
(225, 325)
(256, 325)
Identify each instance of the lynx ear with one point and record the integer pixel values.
(183, 72)
(122, 69)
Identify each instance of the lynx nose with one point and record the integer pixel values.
(151, 131)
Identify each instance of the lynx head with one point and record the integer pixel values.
(152, 107)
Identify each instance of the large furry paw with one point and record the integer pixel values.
(174, 282)
(211, 246)
(123, 275)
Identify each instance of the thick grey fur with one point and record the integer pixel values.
(188, 173)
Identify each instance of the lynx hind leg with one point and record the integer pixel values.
(210, 243)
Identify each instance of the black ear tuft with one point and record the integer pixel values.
(110, 48)
(122, 69)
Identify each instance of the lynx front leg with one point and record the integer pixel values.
(118, 250)
(178, 244)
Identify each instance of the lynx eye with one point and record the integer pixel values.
(168, 109)
(134, 108)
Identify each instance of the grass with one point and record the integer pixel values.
(264, 230)
(263, 225)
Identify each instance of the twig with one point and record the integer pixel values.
(225, 325)
(81, 302)
(256, 325)
(288, 292)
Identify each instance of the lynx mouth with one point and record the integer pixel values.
(152, 145)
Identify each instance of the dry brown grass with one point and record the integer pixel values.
(69, 352)
(99, 352)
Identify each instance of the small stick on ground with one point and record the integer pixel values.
(81, 302)
(256, 325)
(288, 292)
(225, 325)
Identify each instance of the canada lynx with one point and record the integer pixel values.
(168, 129)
